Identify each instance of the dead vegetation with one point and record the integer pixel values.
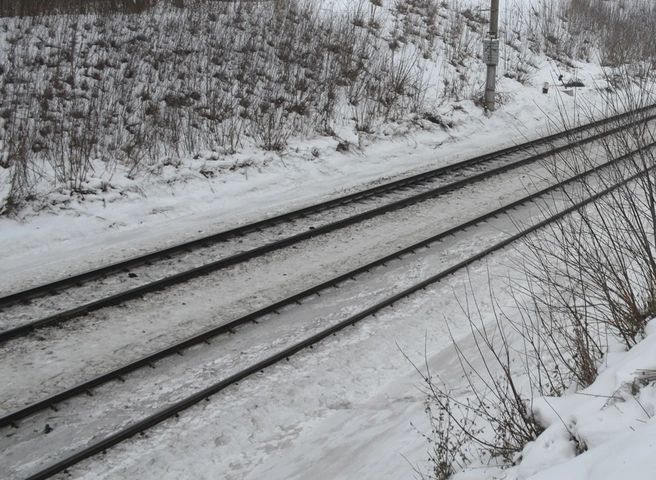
(584, 284)
(123, 84)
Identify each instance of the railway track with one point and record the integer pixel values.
(498, 241)
(75, 296)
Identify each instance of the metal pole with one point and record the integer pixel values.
(494, 19)
(490, 83)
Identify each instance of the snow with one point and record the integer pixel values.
(90, 233)
(350, 408)
(617, 426)
(371, 420)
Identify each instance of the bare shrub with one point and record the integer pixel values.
(621, 31)
(449, 434)
(598, 264)
(488, 416)
(22, 8)
(17, 162)
(129, 89)
(584, 283)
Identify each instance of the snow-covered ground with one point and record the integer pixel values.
(351, 407)
(182, 205)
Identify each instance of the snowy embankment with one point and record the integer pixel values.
(94, 105)
(612, 419)
(605, 432)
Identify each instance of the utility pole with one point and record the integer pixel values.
(491, 55)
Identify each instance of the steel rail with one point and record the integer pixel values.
(206, 335)
(125, 265)
(204, 394)
(205, 269)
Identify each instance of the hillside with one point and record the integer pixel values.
(94, 105)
